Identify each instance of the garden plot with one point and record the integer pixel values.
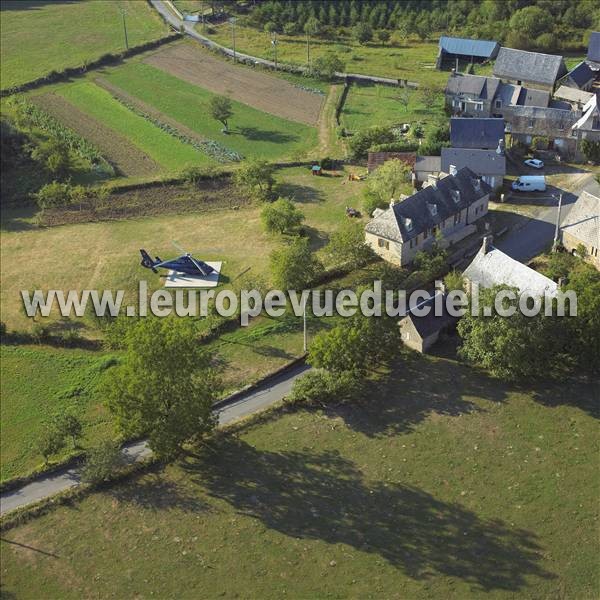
(126, 158)
(259, 90)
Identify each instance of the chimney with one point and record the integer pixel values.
(392, 202)
(477, 183)
(453, 170)
(487, 244)
(500, 148)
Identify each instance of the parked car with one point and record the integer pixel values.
(536, 163)
(530, 183)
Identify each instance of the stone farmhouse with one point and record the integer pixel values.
(448, 210)
(581, 227)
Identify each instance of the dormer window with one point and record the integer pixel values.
(432, 209)
(455, 196)
(408, 224)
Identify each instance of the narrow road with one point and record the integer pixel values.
(228, 411)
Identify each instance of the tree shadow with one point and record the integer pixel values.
(18, 219)
(300, 193)
(323, 496)
(413, 389)
(261, 135)
(317, 239)
(157, 493)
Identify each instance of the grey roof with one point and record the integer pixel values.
(429, 207)
(528, 66)
(583, 220)
(593, 52)
(476, 133)
(557, 117)
(581, 75)
(431, 164)
(481, 162)
(473, 85)
(430, 323)
(572, 94)
(517, 95)
(469, 47)
(496, 268)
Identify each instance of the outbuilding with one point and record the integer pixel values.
(467, 50)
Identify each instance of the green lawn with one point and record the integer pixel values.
(442, 484)
(414, 60)
(253, 133)
(166, 150)
(38, 382)
(39, 37)
(367, 106)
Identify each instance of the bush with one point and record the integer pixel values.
(101, 462)
(327, 65)
(364, 140)
(347, 246)
(397, 146)
(281, 216)
(56, 194)
(319, 386)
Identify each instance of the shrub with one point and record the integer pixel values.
(319, 386)
(327, 65)
(281, 216)
(364, 140)
(102, 462)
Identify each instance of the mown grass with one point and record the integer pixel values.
(39, 382)
(39, 37)
(413, 60)
(367, 106)
(253, 133)
(165, 149)
(442, 483)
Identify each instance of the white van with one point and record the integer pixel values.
(530, 183)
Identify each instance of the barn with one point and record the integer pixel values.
(465, 50)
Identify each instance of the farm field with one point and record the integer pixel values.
(413, 60)
(255, 88)
(160, 146)
(253, 133)
(81, 31)
(367, 106)
(39, 382)
(444, 483)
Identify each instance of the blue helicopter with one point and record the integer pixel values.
(185, 263)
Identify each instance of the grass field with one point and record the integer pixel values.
(37, 383)
(39, 37)
(444, 483)
(253, 133)
(367, 106)
(166, 150)
(414, 61)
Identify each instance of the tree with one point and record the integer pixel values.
(326, 66)
(221, 110)
(164, 387)
(362, 33)
(255, 178)
(361, 142)
(347, 246)
(50, 441)
(384, 36)
(101, 462)
(403, 96)
(454, 281)
(54, 155)
(69, 426)
(531, 22)
(281, 216)
(295, 267)
(591, 150)
(385, 183)
(323, 387)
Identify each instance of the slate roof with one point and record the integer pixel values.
(554, 117)
(431, 164)
(481, 162)
(473, 85)
(476, 133)
(496, 268)
(583, 220)
(429, 324)
(593, 52)
(528, 66)
(429, 207)
(469, 47)
(517, 95)
(581, 74)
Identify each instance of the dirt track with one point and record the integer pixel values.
(127, 158)
(261, 91)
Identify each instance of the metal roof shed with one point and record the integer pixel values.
(468, 48)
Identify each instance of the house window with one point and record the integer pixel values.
(530, 123)
(498, 103)
(457, 218)
(383, 244)
(412, 243)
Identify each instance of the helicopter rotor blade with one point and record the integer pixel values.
(179, 247)
(195, 263)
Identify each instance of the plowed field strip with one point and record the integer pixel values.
(127, 158)
(126, 97)
(254, 88)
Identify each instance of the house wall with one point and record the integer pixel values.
(527, 83)
(570, 242)
(391, 251)
(467, 105)
(411, 337)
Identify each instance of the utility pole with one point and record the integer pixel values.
(123, 13)
(274, 44)
(308, 50)
(557, 229)
(232, 21)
